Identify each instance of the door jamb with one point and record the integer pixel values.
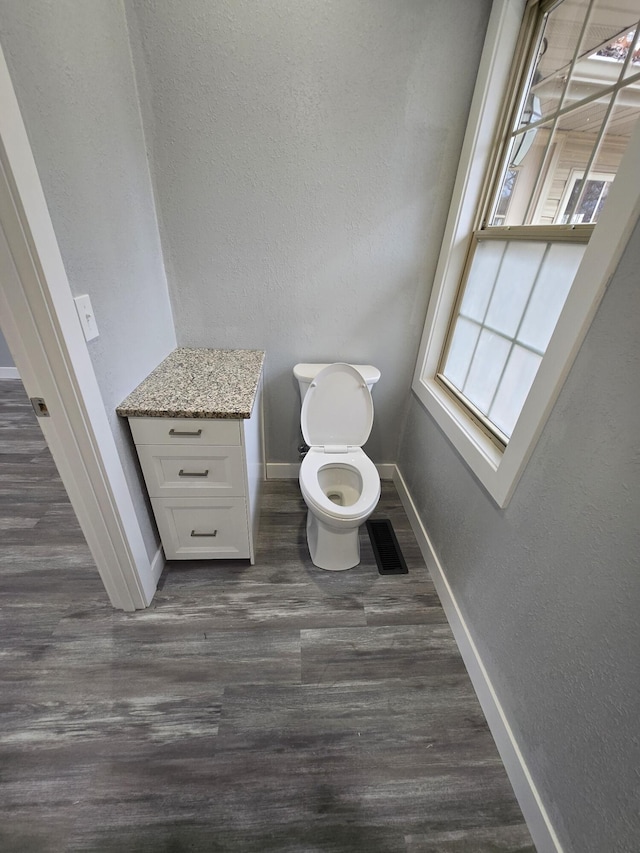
(44, 335)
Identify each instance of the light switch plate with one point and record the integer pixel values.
(87, 319)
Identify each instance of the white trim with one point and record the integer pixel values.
(42, 329)
(157, 564)
(9, 373)
(291, 470)
(386, 470)
(282, 470)
(538, 821)
(499, 471)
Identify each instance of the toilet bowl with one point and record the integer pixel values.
(339, 483)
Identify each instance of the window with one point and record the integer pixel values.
(513, 297)
(506, 194)
(592, 198)
(523, 264)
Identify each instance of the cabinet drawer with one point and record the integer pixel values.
(187, 471)
(202, 528)
(184, 431)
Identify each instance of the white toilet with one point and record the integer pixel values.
(339, 483)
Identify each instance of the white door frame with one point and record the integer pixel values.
(43, 332)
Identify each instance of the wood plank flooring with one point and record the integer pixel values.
(272, 707)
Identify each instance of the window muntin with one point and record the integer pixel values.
(582, 111)
(573, 120)
(513, 298)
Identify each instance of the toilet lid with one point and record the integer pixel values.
(337, 409)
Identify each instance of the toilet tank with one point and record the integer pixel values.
(305, 373)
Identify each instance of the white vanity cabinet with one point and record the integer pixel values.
(203, 477)
(197, 425)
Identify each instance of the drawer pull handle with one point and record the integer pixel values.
(215, 533)
(183, 473)
(179, 432)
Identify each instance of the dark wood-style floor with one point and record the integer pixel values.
(272, 707)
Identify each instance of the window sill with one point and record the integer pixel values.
(480, 453)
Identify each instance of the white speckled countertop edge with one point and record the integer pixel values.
(198, 383)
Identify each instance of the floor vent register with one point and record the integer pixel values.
(386, 548)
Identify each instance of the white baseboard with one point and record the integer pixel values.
(282, 470)
(387, 470)
(291, 470)
(535, 814)
(9, 373)
(157, 564)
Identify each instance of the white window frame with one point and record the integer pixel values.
(500, 469)
(576, 175)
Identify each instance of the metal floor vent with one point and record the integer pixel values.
(385, 548)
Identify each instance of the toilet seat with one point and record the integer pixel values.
(317, 459)
(337, 410)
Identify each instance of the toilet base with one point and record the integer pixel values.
(330, 548)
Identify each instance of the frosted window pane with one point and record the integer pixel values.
(462, 346)
(491, 355)
(484, 269)
(550, 292)
(514, 387)
(515, 280)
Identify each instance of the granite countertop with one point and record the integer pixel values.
(198, 383)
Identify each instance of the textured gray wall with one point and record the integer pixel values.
(550, 586)
(6, 359)
(71, 67)
(303, 157)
